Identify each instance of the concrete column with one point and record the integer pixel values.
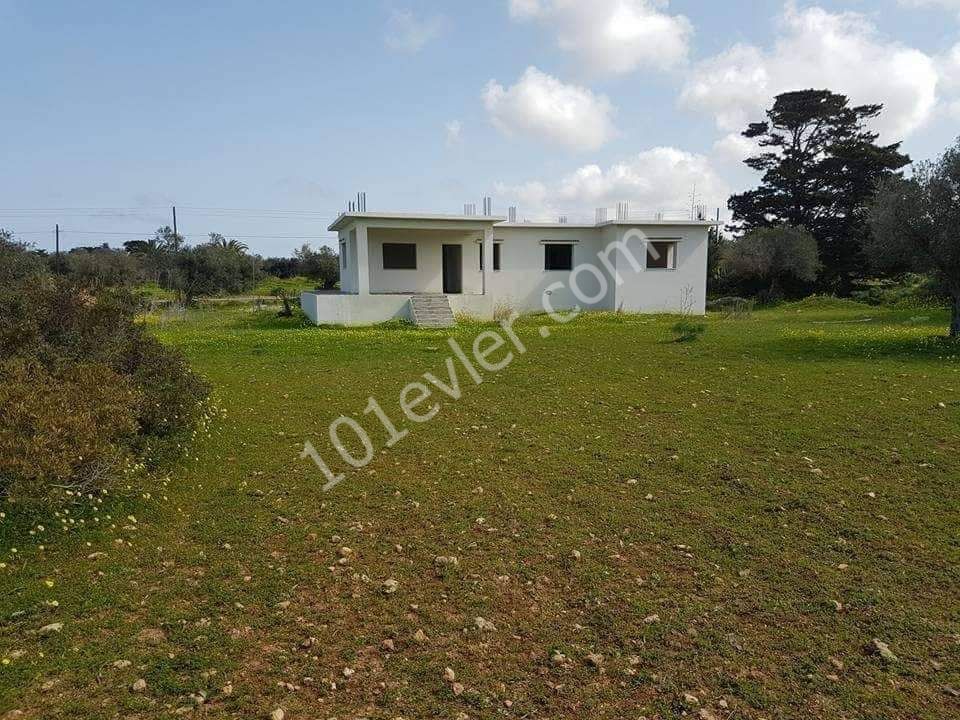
(363, 262)
(487, 260)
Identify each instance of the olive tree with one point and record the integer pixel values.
(773, 254)
(916, 225)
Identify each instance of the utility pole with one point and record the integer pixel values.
(56, 232)
(174, 222)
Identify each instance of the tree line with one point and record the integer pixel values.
(219, 266)
(834, 208)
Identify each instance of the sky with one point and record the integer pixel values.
(260, 120)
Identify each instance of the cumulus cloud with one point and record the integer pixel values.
(540, 105)
(818, 49)
(612, 36)
(659, 179)
(408, 33)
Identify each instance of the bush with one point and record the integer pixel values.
(84, 388)
(67, 426)
(686, 330)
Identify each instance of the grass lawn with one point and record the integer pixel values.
(636, 521)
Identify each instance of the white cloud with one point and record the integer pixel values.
(612, 36)
(735, 148)
(408, 33)
(542, 106)
(453, 130)
(818, 49)
(662, 178)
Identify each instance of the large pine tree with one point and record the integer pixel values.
(821, 166)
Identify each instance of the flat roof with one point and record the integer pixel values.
(347, 218)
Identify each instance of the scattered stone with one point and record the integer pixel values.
(139, 685)
(690, 699)
(277, 714)
(457, 689)
(96, 555)
(648, 496)
(449, 675)
(51, 628)
(484, 624)
(420, 637)
(345, 552)
(836, 662)
(388, 645)
(651, 619)
(558, 658)
(151, 636)
(880, 648)
(348, 672)
(951, 691)
(594, 659)
(705, 714)
(49, 685)
(442, 562)
(307, 643)
(282, 605)
(390, 586)
(121, 664)
(575, 554)
(227, 689)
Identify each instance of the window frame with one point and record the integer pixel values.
(547, 246)
(383, 256)
(670, 261)
(496, 255)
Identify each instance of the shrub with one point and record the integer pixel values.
(686, 330)
(83, 386)
(67, 426)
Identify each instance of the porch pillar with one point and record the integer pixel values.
(363, 263)
(487, 259)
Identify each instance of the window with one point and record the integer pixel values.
(496, 256)
(661, 255)
(343, 256)
(399, 256)
(557, 257)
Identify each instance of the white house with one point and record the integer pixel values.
(426, 267)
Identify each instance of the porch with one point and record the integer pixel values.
(387, 260)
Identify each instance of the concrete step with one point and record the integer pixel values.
(431, 311)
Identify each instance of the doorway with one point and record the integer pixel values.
(452, 269)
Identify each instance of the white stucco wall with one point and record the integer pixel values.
(663, 290)
(521, 282)
(340, 309)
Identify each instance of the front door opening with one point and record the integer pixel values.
(452, 269)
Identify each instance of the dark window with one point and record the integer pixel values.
(558, 257)
(343, 255)
(496, 256)
(399, 256)
(660, 255)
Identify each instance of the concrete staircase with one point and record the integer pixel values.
(431, 311)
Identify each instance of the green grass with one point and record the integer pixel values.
(294, 286)
(796, 459)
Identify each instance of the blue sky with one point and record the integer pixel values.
(235, 111)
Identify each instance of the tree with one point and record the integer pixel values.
(218, 240)
(211, 270)
(156, 251)
(322, 266)
(916, 225)
(820, 168)
(773, 254)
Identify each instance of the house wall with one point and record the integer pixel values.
(340, 309)
(428, 276)
(522, 281)
(682, 288)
